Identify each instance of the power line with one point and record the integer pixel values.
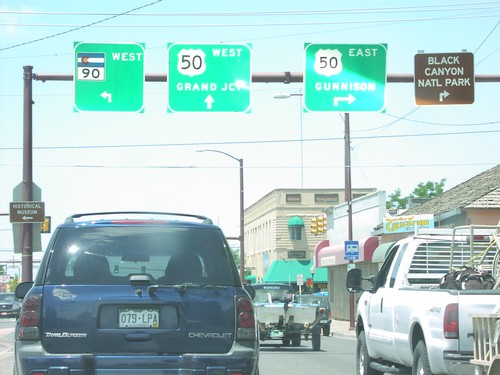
(356, 11)
(80, 27)
(266, 141)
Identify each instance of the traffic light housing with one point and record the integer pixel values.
(322, 223)
(314, 225)
(46, 225)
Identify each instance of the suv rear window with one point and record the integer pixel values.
(110, 254)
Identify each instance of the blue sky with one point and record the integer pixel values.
(97, 161)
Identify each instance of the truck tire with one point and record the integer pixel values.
(316, 341)
(326, 330)
(421, 364)
(285, 342)
(363, 359)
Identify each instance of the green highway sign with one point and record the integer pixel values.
(209, 77)
(109, 77)
(345, 77)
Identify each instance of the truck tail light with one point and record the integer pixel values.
(245, 319)
(29, 319)
(450, 322)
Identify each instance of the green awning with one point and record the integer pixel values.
(286, 271)
(296, 221)
(381, 251)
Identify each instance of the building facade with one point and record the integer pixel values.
(278, 226)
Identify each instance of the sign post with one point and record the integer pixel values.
(444, 78)
(345, 78)
(209, 78)
(109, 77)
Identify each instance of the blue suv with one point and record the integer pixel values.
(136, 293)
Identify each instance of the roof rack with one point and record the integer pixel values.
(204, 219)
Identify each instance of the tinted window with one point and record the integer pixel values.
(111, 254)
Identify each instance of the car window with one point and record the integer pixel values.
(273, 293)
(7, 297)
(111, 254)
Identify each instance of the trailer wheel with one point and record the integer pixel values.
(285, 342)
(363, 359)
(296, 340)
(421, 364)
(316, 341)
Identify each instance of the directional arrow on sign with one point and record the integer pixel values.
(443, 95)
(349, 99)
(209, 100)
(107, 95)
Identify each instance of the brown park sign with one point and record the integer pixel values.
(444, 78)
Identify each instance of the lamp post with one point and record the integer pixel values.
(284, 95)
(242, 212)
(313, 271)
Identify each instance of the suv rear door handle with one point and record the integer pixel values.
(138, 337)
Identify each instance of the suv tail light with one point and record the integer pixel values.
(29, 318)
(245, 319)
(450, 321)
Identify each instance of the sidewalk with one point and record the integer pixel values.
(341, 328)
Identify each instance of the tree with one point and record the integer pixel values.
(423, 190)
(428, 190)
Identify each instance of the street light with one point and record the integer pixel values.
(313, 271)
(285, 95)
(242, 213)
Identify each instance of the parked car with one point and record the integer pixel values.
(9, 305)
(321, 301)
(136, 292)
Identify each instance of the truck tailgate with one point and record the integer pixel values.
(473, 302)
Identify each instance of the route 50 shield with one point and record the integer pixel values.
(328, 62)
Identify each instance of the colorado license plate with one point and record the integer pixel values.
(139, 318)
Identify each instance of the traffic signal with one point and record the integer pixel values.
(314, 225)
(322, 224)
(46, 225)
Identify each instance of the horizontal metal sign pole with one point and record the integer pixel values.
(283, 77)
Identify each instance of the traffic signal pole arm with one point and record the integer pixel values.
(278, 77)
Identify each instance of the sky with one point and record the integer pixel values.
(107, 161)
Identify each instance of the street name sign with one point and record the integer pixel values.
(209, 78)
(444, 78)
(345, 77)
(109, 77)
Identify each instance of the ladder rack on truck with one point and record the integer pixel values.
(486, 331)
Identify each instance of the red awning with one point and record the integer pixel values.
(334, 255)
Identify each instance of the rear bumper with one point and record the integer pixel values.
(30, 356)
(458, 363)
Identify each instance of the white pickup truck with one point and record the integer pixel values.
(406, 323)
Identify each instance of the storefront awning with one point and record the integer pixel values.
(286, 271)
(334, 255)
(381, 252)
(296, 221)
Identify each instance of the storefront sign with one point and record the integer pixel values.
(404, 224)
